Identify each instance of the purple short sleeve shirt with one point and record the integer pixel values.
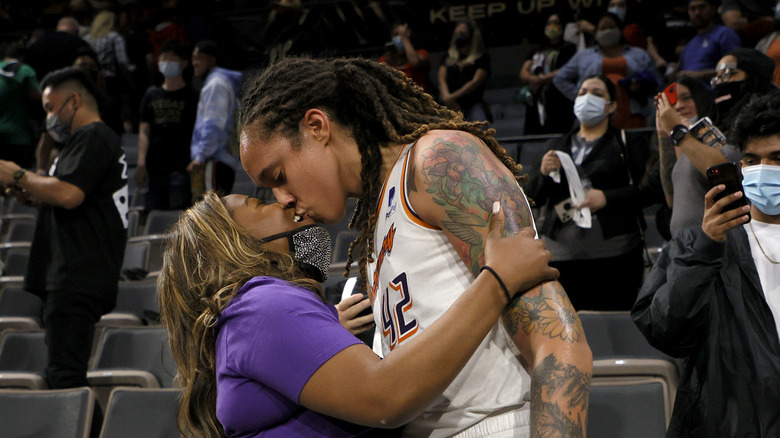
(270, 339)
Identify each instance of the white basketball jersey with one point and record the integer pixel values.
(415, 277)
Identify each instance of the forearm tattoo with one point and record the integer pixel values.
(548, 312)
(559, 399)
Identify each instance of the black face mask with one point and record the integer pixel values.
(462, 40)
(310, 247)
(727, 94)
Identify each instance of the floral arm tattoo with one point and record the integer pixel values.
(465, 178)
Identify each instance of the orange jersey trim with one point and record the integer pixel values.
(404, 201)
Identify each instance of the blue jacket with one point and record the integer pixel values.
(215, 120)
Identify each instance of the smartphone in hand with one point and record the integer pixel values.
(671, 93)
(729, 175)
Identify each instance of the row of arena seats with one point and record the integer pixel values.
(125, 356)
(632, 391)
(67, 413)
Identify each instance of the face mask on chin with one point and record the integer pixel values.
(761, 184)
(310, 247)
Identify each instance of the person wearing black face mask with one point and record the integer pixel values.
(464, 71)
(738, 76)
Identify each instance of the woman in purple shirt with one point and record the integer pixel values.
(260, 353)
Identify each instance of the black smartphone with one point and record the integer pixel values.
(729, 175)
(367, 310)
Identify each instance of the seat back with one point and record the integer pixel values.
(614, 335)
(159, 221)
(21, 228)
(14, 301)
(632, 409)
(341, 242)
(16, 262)
(138, 298)
(136, 256)
(23, 350)
(62, 413)
(136, 348)
(654, 379)
(141, 412)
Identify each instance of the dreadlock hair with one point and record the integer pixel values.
(207, 258)
(375, 103)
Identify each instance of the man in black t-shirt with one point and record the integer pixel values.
(80, 234)
(167, 120)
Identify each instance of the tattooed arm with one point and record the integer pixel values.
(453, 179)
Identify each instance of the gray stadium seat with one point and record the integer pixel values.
(19, 309)
(131, 356)
(23, 359)
(631, 397)
(62, 413)
(141, 412)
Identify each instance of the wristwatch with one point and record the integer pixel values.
(19, 174)
(678, 133)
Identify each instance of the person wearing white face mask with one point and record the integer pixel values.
(167, 120)
(611, 247)
(630, 67)
(713, 296)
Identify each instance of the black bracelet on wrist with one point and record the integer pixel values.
(500, 281)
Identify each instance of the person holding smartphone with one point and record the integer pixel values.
(713, 296)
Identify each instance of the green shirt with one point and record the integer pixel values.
(15, 103)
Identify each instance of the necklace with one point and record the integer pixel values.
(760, 247)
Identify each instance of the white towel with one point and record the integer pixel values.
(582, 216)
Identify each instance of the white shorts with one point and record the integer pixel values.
(512, 424)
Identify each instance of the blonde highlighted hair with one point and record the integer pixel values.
(103, 24)
(207, 258)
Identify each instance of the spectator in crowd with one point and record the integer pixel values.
(166, 28)
(311, 131)
(629, 67)
(413, 62)
(167, 121)
(19, 96)
(81, 231)
(740, 75)
(712, 297)
(463, 72)
(751, 18)
(86, 60)
(236, 292)
(55, 50)
(215, 120)
(633, 24)
(669, 29)
(712, 42)
(548, 111)
(611, 246)
(770, 45)
(684, 185)
(112, 54)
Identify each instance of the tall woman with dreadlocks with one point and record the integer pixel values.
(320, 131)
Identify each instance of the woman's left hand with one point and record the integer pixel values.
(349, 308)
(594, 200)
